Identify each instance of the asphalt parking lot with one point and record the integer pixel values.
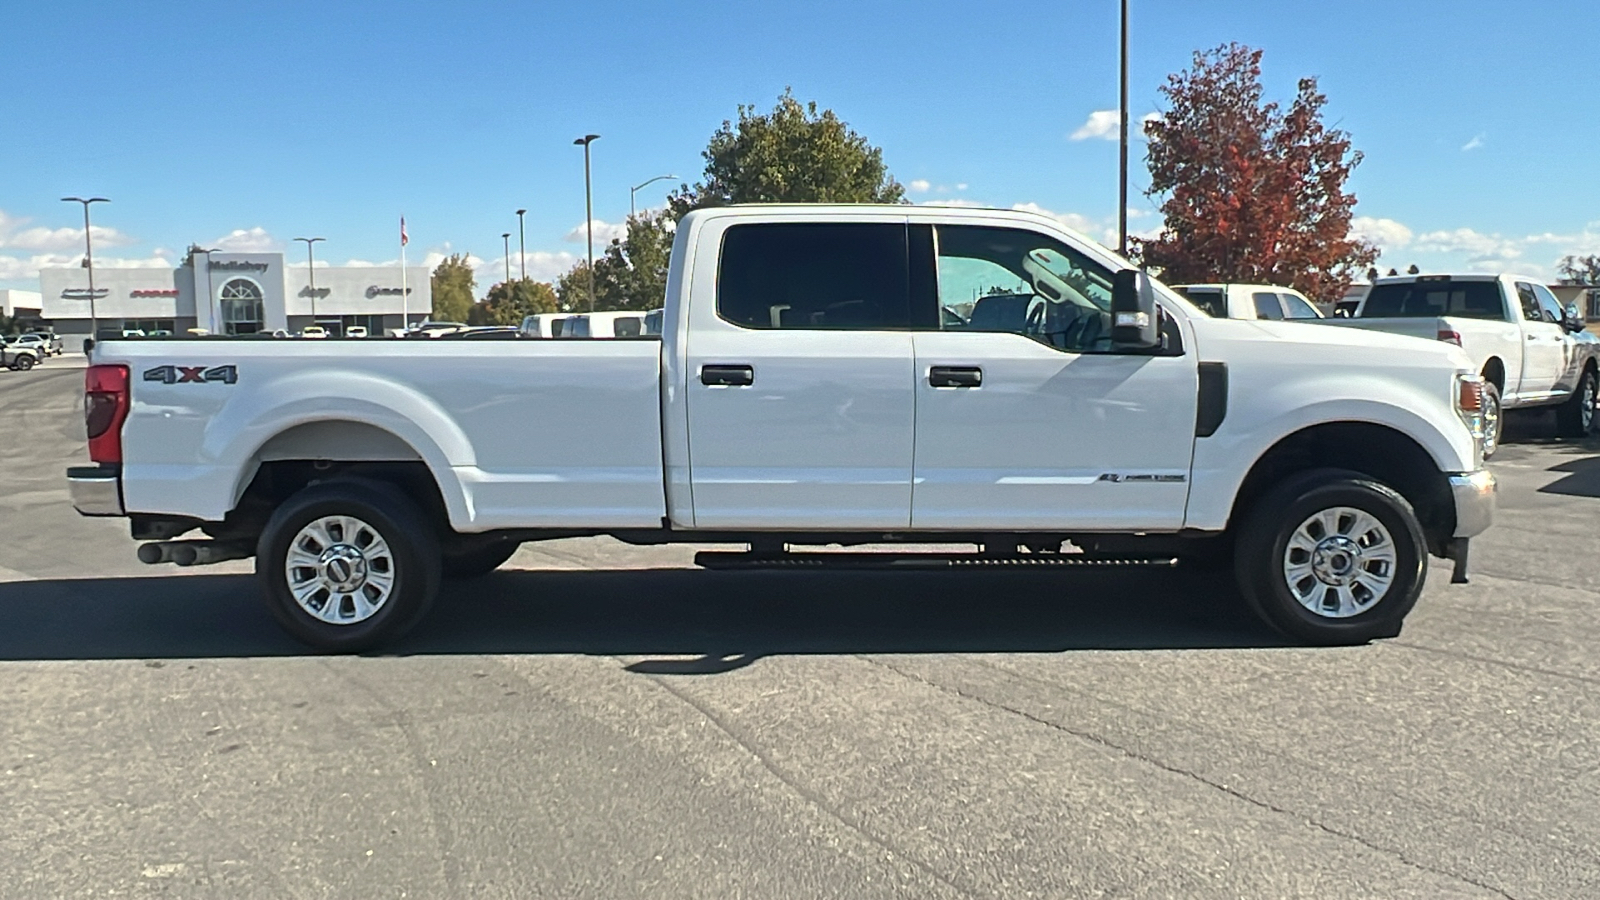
(602, 721)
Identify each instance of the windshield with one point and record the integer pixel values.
(1418, 299)
(1208, 299)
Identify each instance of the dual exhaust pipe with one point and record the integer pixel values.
(194, 553)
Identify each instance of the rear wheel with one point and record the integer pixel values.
(23, 363)
(1575, 418)
(348, 565)
(1332, 557)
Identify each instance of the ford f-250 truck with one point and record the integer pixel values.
(824, 376)
(1530, 351)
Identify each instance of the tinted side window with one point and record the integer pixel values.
(627, 326)
(814, 276)
(1549, 305)
(1267, 305)
(1298, 309)
(1530, 303)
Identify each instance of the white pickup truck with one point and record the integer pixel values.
(1530, 351)
(824, 376)
(1249, 301)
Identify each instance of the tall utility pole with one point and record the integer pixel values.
(635, 189)
(311, 272)
(1122, 184)
(88, 263)
(507, 238)
(588, 208)
(522, 247)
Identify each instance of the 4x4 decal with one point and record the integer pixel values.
(195, 374)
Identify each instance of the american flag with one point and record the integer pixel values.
(403, 239)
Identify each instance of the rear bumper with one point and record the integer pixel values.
(96, 490)
(1474, 494)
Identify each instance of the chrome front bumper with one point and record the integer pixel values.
(96, 490)
(1474, 494)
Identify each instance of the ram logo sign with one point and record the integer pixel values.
(192, 374)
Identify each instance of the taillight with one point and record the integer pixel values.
(1450, 336)
(105, 407)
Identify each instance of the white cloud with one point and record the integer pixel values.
(604, 234)
(1103, 124)
(247, 240)
(50, 240)
(1387, 234)
(26, 268)
(962, 186)
(1475, 143)
(956, 202)
(920, 186)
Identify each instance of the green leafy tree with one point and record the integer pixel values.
(633, 273)
(509, 302)
(453, 289)
(793, 154)
(572, 288)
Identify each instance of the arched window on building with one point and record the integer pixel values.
(241, 307)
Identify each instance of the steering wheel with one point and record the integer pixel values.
(1035, 322)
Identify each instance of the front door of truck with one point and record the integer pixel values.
(799, 383)
(1026, 418)
(1544, 345)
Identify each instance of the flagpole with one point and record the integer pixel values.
(405, 295)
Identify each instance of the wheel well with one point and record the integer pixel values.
(1380, 452)
(277, 480)
(1495, 371)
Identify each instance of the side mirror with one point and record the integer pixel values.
(1135, 321)
(1574, 321)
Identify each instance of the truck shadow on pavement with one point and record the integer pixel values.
(723, 620)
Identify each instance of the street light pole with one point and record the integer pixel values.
(211, 294)
(522, 247)
(1122, 184)
(88, 262)
(311, 273)
(588, 208)
(507, 238)
(635, 189)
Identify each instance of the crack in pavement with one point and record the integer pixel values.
(1099, 741)
(810, 796)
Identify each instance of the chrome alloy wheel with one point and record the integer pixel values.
(1491, 423)
(1339, 562)
(340, 570)
(1586, 410)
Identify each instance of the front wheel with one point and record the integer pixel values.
(23, 363)
(1332, 557)
(348, 565)
(1493, 419)
(1575, 418)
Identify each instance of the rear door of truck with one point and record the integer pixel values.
(799, 375)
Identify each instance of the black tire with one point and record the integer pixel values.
(413, 560)
(1262, 563)
(1576, 417)
(1494, 419)
(476, 559)
(23, 363)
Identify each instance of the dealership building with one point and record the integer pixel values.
(235, 293)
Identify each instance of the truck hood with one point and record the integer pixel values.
(1315, 344)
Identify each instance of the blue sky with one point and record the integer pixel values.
(245, 125)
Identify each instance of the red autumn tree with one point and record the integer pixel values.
(1251, 193)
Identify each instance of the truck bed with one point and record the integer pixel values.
(530, 432)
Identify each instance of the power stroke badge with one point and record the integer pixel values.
(192, 374)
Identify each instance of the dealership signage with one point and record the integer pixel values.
(154, 292)
(375, 291)
(234, 265)
(83, 293)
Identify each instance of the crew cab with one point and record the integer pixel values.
(1530, 351)
(1249, 301)
(823, 376)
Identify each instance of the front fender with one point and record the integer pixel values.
(1260, 417)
